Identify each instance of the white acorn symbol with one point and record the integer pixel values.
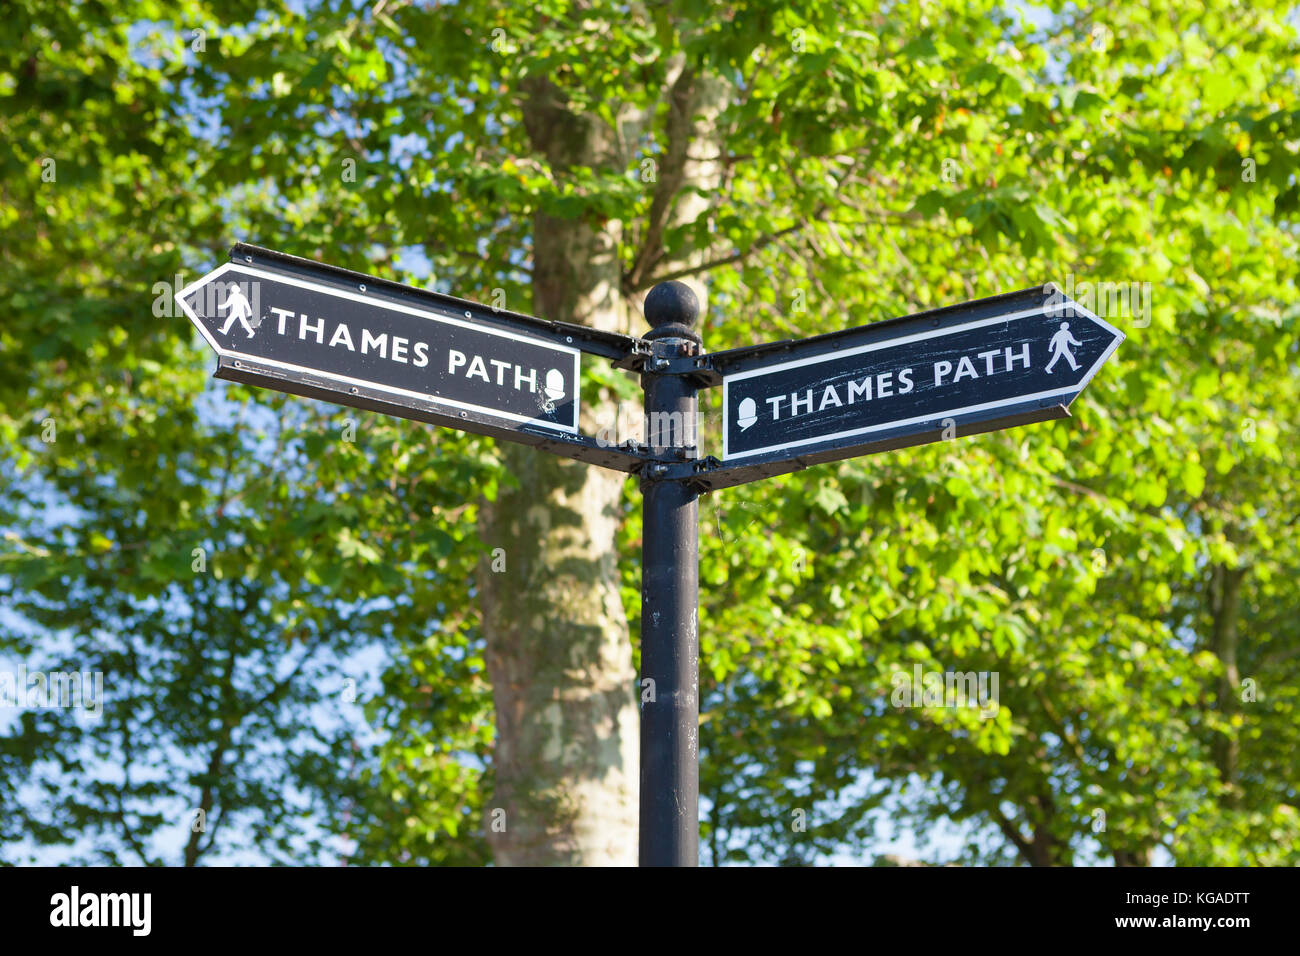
(554, 385)
(746, 414)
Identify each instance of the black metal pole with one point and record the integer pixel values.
(670, 585)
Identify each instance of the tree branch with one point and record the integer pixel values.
(740, 256)
(672, 173)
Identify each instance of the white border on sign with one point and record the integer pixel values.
(915, 337)
(393, 307)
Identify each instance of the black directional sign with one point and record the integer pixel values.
(315, 330)
(979, 366)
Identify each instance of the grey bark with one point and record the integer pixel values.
(558, 652)
(558, 649)
(1225, 602)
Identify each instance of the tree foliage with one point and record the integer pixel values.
(1127, 574)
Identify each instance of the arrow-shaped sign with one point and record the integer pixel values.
(979, 366)
(303, 327)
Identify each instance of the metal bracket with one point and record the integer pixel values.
(636, 357)
(694, 472)
(631, 456)
(698, 368)
(709, 474)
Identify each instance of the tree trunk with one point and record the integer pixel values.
(1140, 857)
(1045, 849)
(1225, 600)
(558, 650)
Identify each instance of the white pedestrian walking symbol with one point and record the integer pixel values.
(240, 309)
(1060, 347)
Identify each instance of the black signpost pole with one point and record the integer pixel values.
(670, 788)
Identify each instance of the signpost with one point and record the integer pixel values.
(980, 366)
(310, 329)
(849, 393)
(315, 330)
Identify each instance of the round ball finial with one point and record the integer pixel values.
(672, 310)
